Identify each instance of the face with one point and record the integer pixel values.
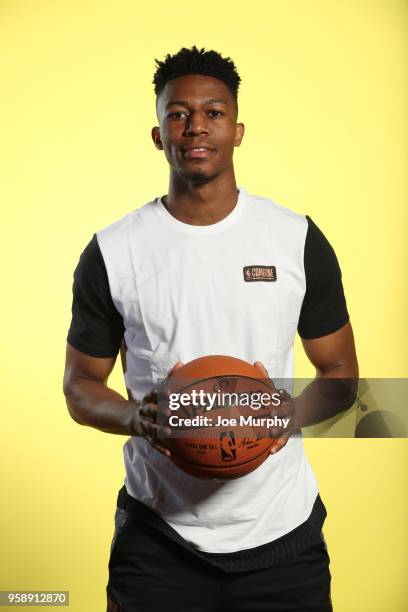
(198, 127)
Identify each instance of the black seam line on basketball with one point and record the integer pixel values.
(199, 380)
(220, 467)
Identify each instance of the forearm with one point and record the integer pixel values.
(329, 394)
(94, 404)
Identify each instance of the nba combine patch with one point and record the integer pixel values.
(259, 273)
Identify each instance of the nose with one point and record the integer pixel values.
(196, 124)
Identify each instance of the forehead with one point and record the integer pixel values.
(193, 89)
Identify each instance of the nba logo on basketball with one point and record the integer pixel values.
(227, 444)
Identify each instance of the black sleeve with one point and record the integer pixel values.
(96, 326)
(324, 309)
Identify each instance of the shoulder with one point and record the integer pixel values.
(91, 261)
(267, 208)
(134, 227)
(324, 308)
(284, 228)
(319, 253)
(132, 220)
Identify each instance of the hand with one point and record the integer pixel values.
(149, 416)
(286, 409)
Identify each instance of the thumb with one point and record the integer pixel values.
(260, 366)
(176, 366)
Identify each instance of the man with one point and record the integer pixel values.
(168, 282)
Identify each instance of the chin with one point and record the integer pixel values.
(199, 178)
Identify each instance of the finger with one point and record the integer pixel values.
(176, 366)
(153, 434)
(278, 432)
(284, 397)
(150, 398)
(286, 409)
(163, 396)
(274, 432)
(154, 431)
(155, 394)
(279, 444)
(162, 449)
(148, 411)
(260, 366)
(151, 411)
(155, 415)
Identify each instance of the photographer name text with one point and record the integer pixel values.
(248, 421)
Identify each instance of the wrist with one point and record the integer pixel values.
(131, 420)
(296, 420)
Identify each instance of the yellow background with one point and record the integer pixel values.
(323, 97)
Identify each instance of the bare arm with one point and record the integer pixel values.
(91, 402)
(335, 386)
(332, 391)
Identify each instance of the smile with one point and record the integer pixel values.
(197, 152)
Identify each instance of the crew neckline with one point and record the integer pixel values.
(229, 220)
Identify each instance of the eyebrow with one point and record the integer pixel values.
(185, 103)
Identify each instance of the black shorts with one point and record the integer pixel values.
(148, 572)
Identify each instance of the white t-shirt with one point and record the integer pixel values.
(181, 293)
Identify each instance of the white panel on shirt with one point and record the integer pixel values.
(182, 294)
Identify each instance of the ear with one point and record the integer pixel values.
(239, 134)
(157, 138)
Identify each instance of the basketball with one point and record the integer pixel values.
(216, 438)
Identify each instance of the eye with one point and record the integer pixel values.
(215, 113)
(177, 115)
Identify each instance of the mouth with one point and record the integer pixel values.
(197, 152)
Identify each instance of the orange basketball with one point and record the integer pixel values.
(216, 431)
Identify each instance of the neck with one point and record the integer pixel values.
(202, 204)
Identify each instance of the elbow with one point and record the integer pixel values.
(351, 377)
(355, 378)
(71, 401)
(73, 412)
(340, 384)
(355, 369)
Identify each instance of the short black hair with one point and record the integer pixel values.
(196, 61)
